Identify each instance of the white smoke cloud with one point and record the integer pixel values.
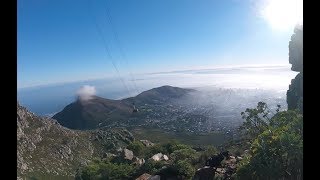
(86, 92)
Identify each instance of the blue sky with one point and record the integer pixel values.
(58, 40)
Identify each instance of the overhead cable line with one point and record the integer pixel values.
(107, 49)
(123, 55)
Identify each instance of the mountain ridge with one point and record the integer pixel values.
(98, 111)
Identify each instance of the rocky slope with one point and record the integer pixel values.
(87, 114)
(45, 149)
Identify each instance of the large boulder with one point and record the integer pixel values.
(160, 157)
(206, 173)
(127, 154)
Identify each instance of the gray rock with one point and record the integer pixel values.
(165, 157)
(144, 176)
(127, 154)
(159, 157)
(147, 143)
(239, 158)
(156, 177)
(138, 161)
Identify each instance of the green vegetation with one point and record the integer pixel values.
(185, 169)
(40, 176)
(277, 145)
(105, 170)
(160, 136)
(183, 162)
(137, 147)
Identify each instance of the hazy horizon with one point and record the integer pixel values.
(52, 98)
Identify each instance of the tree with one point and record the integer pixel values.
(277, 152)
(185, 169)
(105, 170)
(187, 154)
(205, 155)
(256, 119)
(137, 147)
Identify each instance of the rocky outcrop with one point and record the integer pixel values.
(220, 166)
(147, 143)
(295, 92)
(296, 50)
(160, 157)
(138, 161)
(127, 154)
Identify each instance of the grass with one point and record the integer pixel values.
(160, 136)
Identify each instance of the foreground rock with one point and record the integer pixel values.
(221, 166)
(206, 172)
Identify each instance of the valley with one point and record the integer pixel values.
(171, 110)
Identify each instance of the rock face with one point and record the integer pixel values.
(296, 50)
(295, 92)
(46, 148)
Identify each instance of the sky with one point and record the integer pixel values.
(65, 40)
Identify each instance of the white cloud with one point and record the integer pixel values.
(86, 92)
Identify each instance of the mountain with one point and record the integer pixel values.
(89, 113)
(159, 95)
(99, 112)
(45, 149)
